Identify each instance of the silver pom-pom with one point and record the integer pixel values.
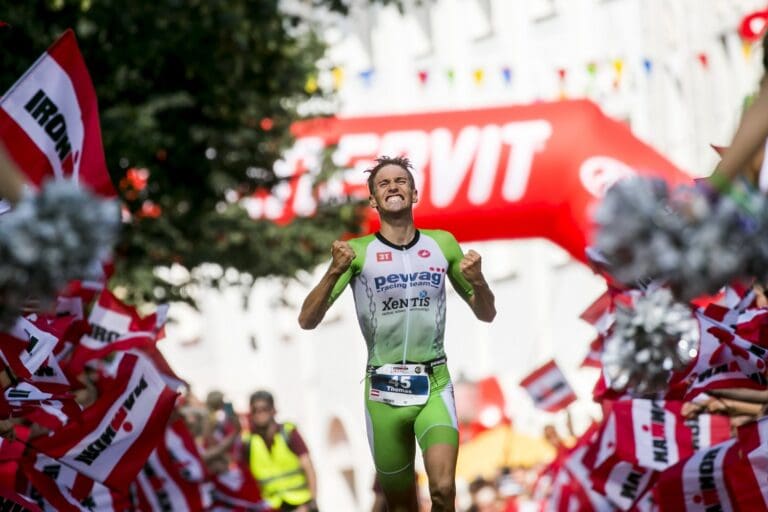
(682, 237)
(50, 238)
(649, 340)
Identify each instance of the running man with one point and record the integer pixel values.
(398, 280)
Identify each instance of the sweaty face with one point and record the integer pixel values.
(392, 190)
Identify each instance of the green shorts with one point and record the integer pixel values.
(392, 430)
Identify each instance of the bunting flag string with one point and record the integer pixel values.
(335, 79)
(750, 30)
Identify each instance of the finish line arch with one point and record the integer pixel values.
(507, 172)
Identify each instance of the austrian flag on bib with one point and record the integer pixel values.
(49, 120)
(548, 388)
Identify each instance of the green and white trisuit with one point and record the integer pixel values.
(400, 300)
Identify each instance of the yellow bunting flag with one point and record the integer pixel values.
(311, 85)
(618, 65)
(338, 77)
(746, 48)
(479, 76)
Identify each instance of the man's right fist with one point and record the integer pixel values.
(342, 254)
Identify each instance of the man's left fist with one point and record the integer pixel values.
(470, 267)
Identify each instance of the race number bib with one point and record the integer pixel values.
(400, 384)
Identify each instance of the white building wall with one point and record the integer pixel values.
(679, 108)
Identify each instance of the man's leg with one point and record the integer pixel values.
(390, 435)
(437, 431)
(440, 463)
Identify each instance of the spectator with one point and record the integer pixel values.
(221, 432)
(279, 459)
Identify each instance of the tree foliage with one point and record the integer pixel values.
(201, 94)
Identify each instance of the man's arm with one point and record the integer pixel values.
(755, 396)
(748, 139)
(297, 445)
(482, 300)
(318, 301)
(309, 471)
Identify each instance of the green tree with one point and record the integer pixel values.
(201, 93)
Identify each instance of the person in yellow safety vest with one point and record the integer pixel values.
(279, 459)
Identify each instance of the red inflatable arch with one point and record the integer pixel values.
(494, 173)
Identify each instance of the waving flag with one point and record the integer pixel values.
(157, 358)
(25, 347)
(572, 489)
(58, 488)
(548, 388)
(50, 376)
(698, 484)
(236, 489)
(174, 475)
(116, 326)
(725, 360)
(115, 436)
(49, 120)
(161, 487)
(654, 435)
(623, 483)
(27, 401)
(749, 475)
(11, 451)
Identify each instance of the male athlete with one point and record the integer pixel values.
(398, 280)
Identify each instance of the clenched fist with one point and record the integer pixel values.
(470, 267)
(342, 254)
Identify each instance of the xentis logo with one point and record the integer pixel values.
(393, 304)
(396, 280)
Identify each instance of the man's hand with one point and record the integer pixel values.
(470, 266)
(342, 254)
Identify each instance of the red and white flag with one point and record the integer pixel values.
(50, 376)
(25, 347)
(58, 488)
(24, 400)
(174, 476)
(752, 325)
(49, 120)
(237, 490)
(116, 326)
(11, 452)
(115, 435)
(548, 388)
(172, 380)
(725, 360)
(622, 483)
(698, 484)
(748, 478)
(161, 487)
(653, 434)
(593, 359)
(579, 486)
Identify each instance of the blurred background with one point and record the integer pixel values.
(197, 100)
